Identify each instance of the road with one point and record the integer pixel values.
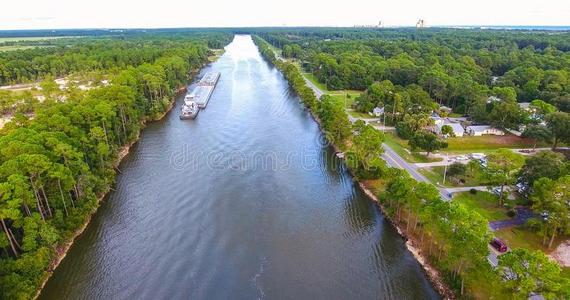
(396, 161)
(444, 162)
(389, 155)
(316, 90)
(482, 188)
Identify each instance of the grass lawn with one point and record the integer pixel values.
(400, 146)
(347, 97)
(484, 203)
(435, 175)
(487, 143)
(358, 114)
(316, 82)
(524, 237)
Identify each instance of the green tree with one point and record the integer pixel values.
(367, 148)
(542, 108)
(546, 164)
(527, 272)
(559, 125)
(426, 141)
(502, 167)
(447, 131)
(538, 133)
(551, 197)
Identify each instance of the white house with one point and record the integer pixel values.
(377, 111)
(479, 130)
(458, 130)
(492, 99)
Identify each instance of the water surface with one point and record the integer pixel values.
(245, 202)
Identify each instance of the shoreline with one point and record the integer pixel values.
(433, 275)
(62, 250)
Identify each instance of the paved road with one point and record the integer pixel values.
(444, 162)
(391, 157)
(396, 161)
(353, 119)
(483, 188)
(315, 89)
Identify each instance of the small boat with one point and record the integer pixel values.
(189, 110)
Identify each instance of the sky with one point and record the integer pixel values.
(58, 14)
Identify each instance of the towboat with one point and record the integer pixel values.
(189, 110)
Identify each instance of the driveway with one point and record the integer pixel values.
(523, 214)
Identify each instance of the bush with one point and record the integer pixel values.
(456, 169)
(473, 191)
(511, 213)
(404, 131)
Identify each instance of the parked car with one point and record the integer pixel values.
(462, 158)
(478, 155)
(499, 245)
(497, 190)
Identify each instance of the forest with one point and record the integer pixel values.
(412, 74)
(456, 68)
(58, 156)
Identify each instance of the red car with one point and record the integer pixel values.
(499, 245)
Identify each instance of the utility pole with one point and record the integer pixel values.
(445, 169)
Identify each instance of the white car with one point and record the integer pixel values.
(478, 155)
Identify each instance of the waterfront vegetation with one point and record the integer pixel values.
(412, 74)
(58, 157)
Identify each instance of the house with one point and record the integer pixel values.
(458, 130)
(437, 120)
(493, 99)
(525, 106)
(377, 111)
(479, 130)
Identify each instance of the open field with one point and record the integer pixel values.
(435, 175)
(484, 203)
(34, 38)
(524, 237)
(347, 97)
(488, 143)
(18, 47)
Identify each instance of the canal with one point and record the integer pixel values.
(245, 202)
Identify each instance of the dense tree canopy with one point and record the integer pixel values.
(56, 162)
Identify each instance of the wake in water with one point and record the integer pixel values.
(256, 277)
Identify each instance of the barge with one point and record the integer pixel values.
(204, 89)
(199, 97)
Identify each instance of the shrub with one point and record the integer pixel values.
(456, 169)
(511, 213)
